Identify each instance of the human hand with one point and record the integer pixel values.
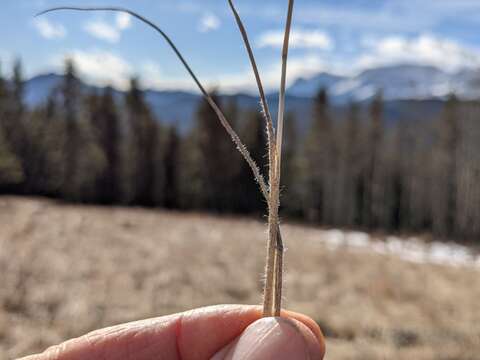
(234, 332)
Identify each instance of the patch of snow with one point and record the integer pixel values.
(408, 249)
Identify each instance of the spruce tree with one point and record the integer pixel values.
(445, 204)
(373, 209)
(11, 172)
(70, 94)
(254, 137)
(317, 160)
(144, 144)
(354, 182)
(4, 95)
(106, 122)
(214, 159)
(291, 192)
(46, 139)
(18, 88)
(171, 163)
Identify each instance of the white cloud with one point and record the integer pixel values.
(244, 81)
(424, 49)
(50, 30)
(305, 66)
(103, 68)
(109, 32)
(99, 67)
(103, 31)
(299, 38)
(123, 21)
(209, 22)
(153, 77)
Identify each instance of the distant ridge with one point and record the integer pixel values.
(425, 86)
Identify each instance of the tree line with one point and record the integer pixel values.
(351, 170)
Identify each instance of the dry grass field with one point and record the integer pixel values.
(65, 270)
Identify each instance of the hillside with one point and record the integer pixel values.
(66, 270)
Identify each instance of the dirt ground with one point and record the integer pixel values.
(65, 270)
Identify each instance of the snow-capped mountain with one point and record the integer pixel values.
(309, 87)
(397, 82)
(402, 85)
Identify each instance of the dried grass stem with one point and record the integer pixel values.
(274, 262)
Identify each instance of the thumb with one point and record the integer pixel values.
(274, 338)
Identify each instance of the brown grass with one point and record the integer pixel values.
(65, 270)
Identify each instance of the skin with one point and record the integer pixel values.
(217, 332)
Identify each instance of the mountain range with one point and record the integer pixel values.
(397, 82)
(402, 86)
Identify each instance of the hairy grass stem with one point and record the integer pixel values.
(274, 263)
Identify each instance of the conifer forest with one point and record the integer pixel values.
(349, 169)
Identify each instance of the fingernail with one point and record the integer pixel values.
(273, 338)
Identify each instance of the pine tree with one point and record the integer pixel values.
(18, 88)
(317, 160)
(144, 135)
(397, 194)
(171, 165)
(11, 172)
(254, 137)
(374, 173)
(291, 192)
(83, 159)
(445, 206)
(46, 143)
(353, 182)
(105, 121)
(4, 95)
(4, 104)
(214, 159)
(70, 93)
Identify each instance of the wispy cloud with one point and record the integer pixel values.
(99, 67)
(300, 38)
(49, 30)
(209, 22)
(424, 49)
(111, 32)
(102, 30)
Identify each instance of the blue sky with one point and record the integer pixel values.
(341, 36)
